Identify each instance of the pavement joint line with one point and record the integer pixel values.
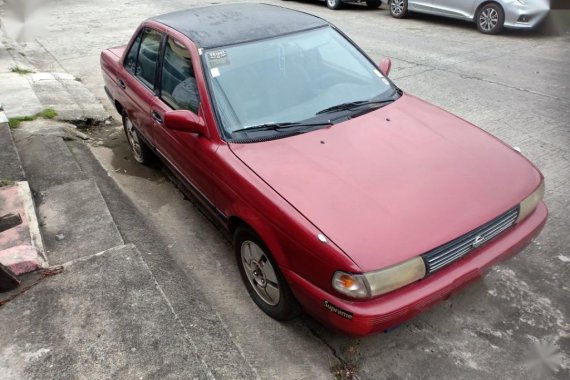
(89, 257)
(238, 346)
(100, 193)
(329, 346)
(64, 85)
(467, 76)
(51, 55)
(177, 318)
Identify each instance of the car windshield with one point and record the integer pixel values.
(305, 76)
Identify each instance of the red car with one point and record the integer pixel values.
(345, 196)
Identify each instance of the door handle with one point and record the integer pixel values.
(122, 84)
(156, 117)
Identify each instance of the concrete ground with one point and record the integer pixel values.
(515, 86)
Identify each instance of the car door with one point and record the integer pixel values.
(139, 76)
(420, 5)
(189, 154)
(453, 8)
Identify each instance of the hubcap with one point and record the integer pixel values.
(397, 7)
(260, 273)
(488, 19)
(133, 138)
(331, 3)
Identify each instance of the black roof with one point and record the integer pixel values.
(229, 24)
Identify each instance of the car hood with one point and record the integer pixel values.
(396, 182)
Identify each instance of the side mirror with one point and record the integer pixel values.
(385, 66)
(184, 121)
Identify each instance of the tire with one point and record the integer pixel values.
(334, 4)
(399, 8)
(373, 4)
(490, 19)
(263, 280)
(141, 152)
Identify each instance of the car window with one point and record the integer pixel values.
(147, 57)
(178, 83)
(290, 78)
(131, 61)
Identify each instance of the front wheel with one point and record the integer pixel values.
(399, 8)
(334, 4)
(373, 4)
(490, 19)
(262, 278)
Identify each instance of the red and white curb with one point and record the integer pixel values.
(21, 247)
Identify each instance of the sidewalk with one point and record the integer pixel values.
(104, 309)
(26, 92)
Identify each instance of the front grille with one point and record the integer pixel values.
(446, 254)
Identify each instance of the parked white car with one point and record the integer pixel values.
(490, 16)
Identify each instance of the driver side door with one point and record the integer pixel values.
(188, 154)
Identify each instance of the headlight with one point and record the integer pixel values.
(372, 284)
(529, 204)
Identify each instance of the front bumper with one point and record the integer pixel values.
(527, 16)
(361, 318)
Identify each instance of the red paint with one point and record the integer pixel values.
(17, 248)
(383, 187)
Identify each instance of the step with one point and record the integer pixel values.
(97, 319)
(21, 246)
(74, 218)
(75, 221)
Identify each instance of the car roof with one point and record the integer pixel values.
(229, 24)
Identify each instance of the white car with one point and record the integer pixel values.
(490, 16)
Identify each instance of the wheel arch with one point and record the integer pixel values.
(486, 3)
(262, 229)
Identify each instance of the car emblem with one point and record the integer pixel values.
(478, 241)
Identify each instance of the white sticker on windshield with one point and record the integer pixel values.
(378, 73)
(215, 72)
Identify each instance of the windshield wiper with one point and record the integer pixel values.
(352, 105)
(280, 126)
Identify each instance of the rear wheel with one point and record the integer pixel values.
(373, 4)
(490, 19)
(262, 278)
(334, 4)
(399, 8)
(141, 151)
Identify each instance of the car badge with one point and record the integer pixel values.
(478, 241)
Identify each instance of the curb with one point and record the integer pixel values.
(3, 117)
(22, 248)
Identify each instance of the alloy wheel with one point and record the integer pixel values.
(397, 7)
(260, 273)
(488, 19)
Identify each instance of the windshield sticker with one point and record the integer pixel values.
(215, 72)
(218, 58)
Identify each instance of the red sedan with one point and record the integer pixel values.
(345, 196)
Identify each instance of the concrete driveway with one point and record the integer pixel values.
(515, 85)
